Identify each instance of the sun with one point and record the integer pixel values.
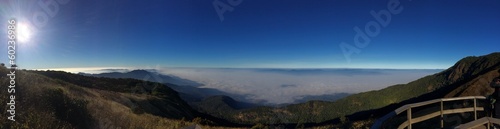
(24, 33)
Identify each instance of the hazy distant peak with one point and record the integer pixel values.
(139, 71)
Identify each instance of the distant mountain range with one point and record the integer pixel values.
(148, 75)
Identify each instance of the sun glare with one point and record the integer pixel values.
(24, 33)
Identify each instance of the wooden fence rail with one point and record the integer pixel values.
(479, 123)
(410, 120)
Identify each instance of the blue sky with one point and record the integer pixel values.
(256, 34)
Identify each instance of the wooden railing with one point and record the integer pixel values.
(410, 120)
(481, 122)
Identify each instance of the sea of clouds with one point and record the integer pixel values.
(279, 86)
(284, 86)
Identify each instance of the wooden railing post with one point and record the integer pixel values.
(442, 116)
(475, 110)
(408, 114)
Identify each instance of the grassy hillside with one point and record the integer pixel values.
(455, 81)
(159, 99)
(52, 99)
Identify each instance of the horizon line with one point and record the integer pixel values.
(96, 69)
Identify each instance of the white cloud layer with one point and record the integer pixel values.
(279, 86)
